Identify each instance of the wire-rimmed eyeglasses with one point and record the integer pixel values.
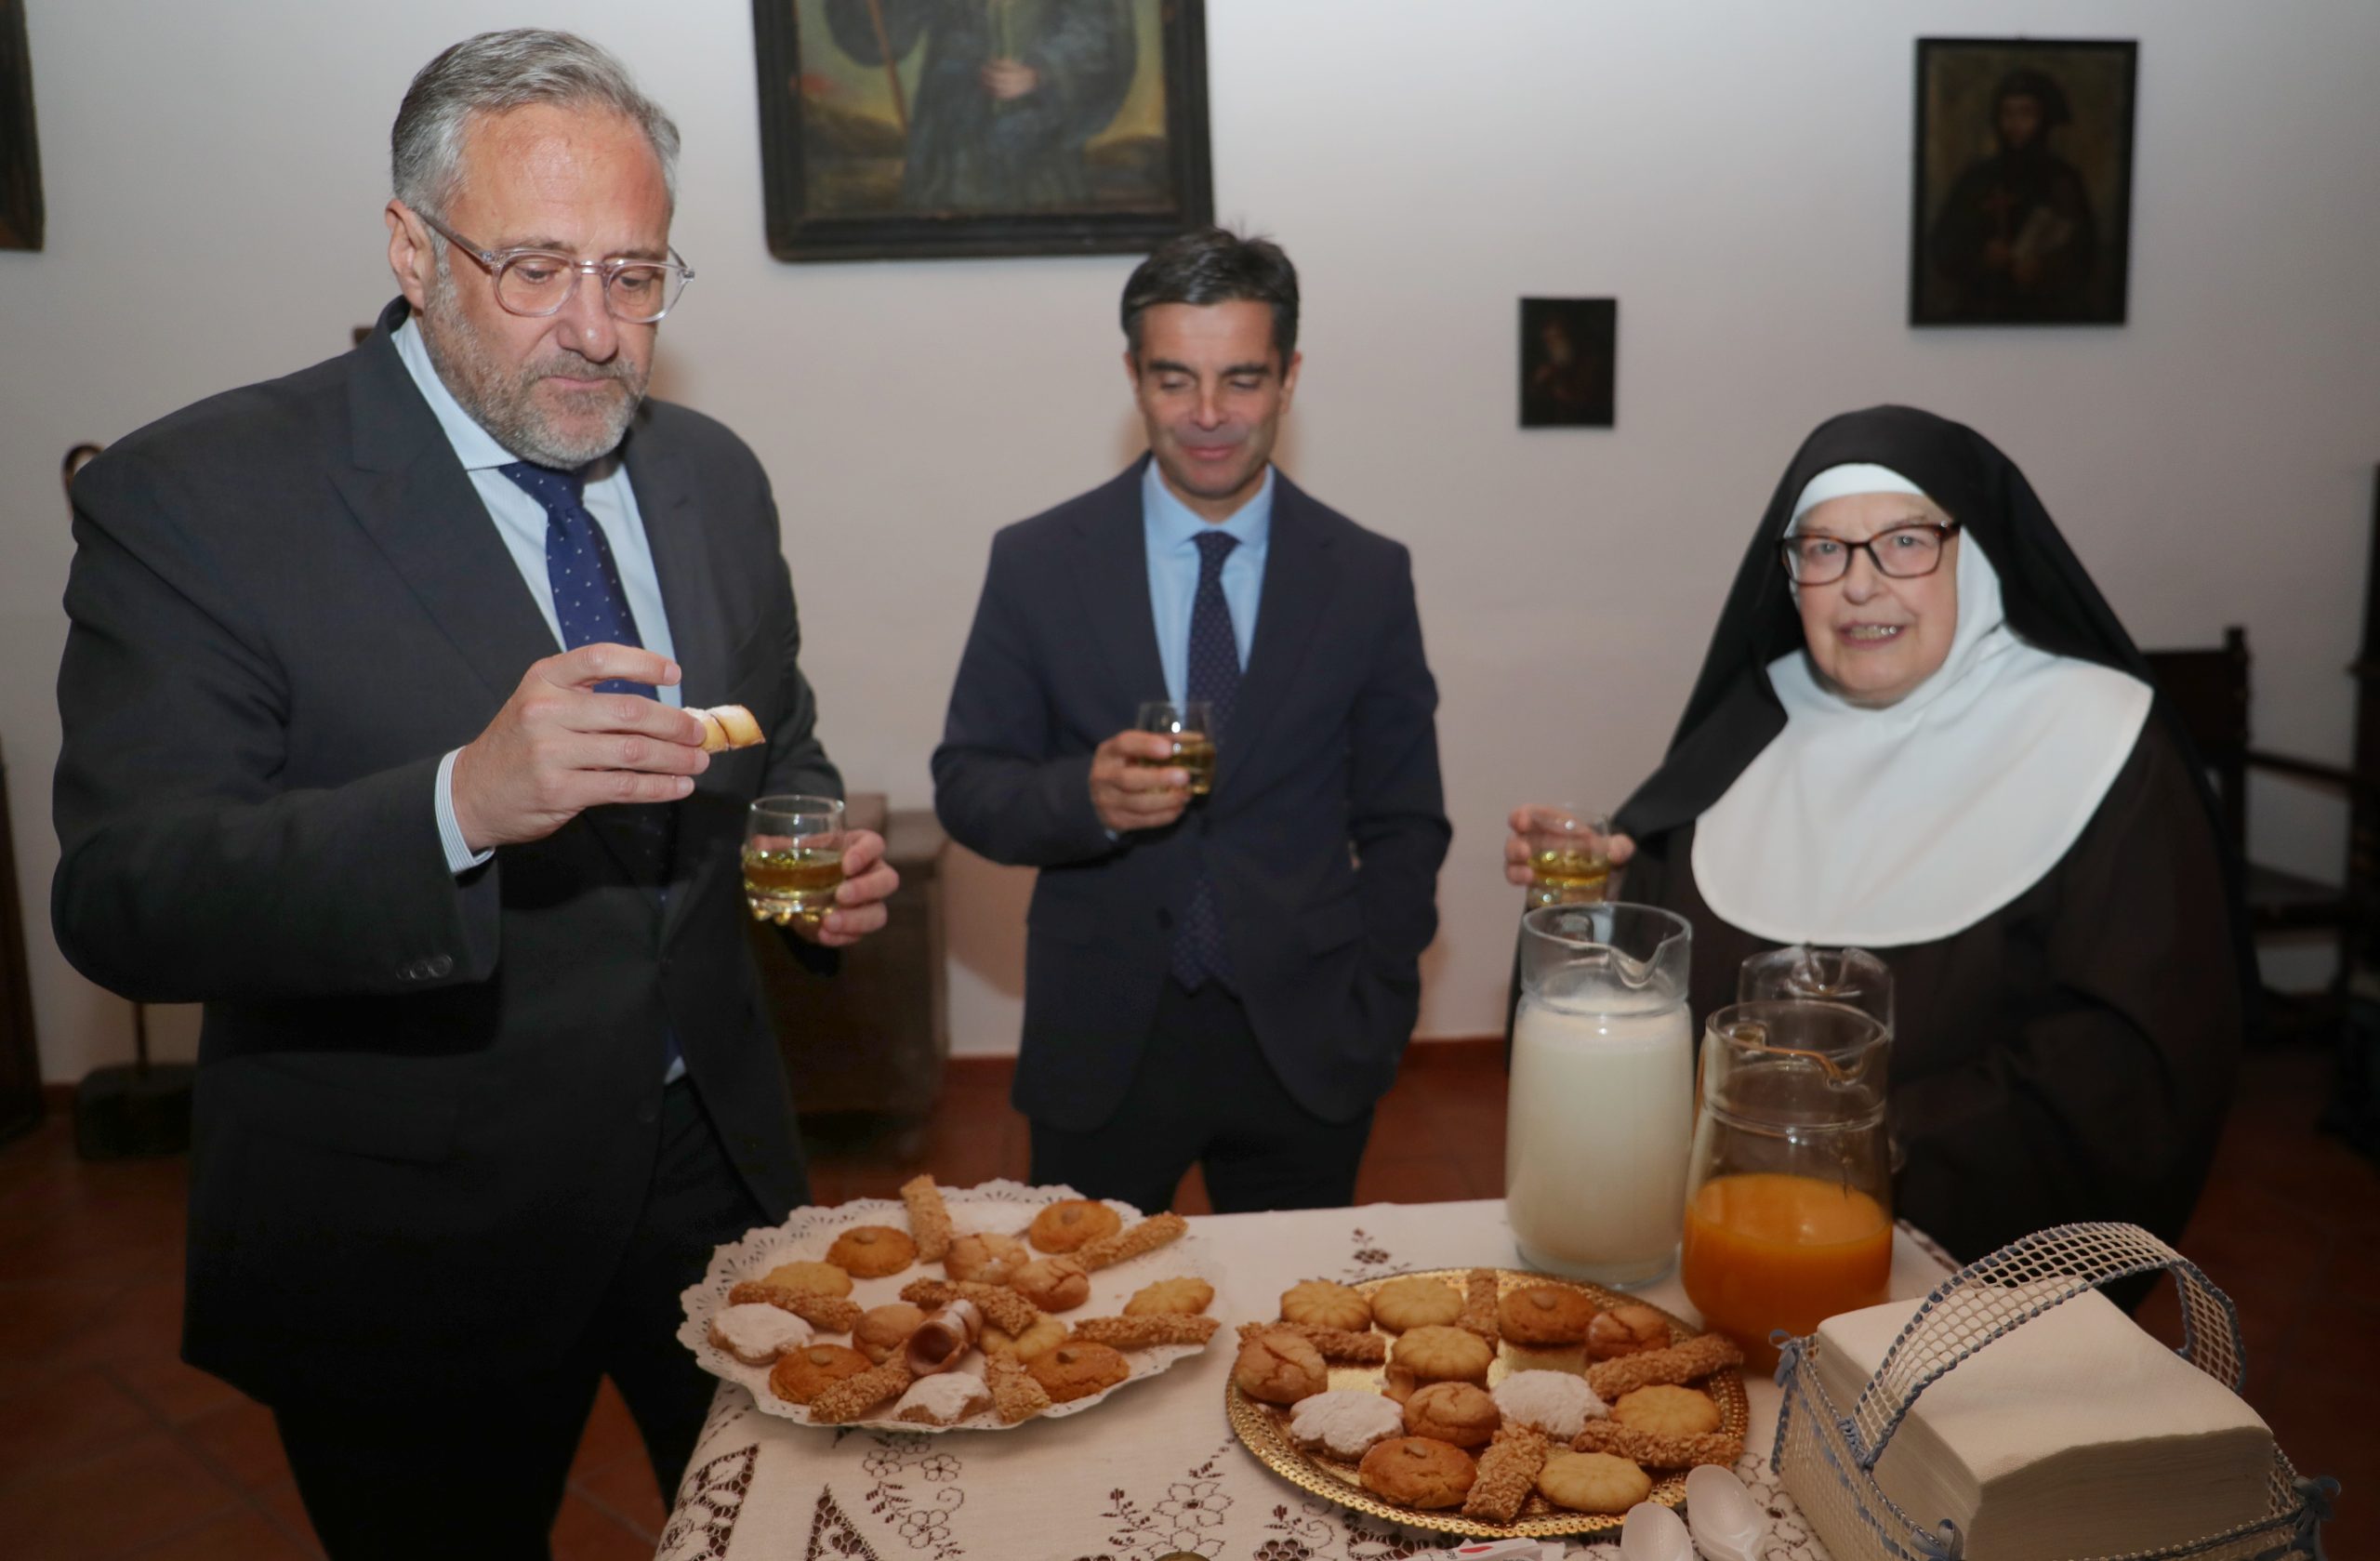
(1903, 553)
(536, 282)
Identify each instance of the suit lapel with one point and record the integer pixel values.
(1298, 586)
(1115, 579)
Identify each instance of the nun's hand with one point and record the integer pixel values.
(1618, 848)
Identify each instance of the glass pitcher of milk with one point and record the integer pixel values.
(1602, 1105)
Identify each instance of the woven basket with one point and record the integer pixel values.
(1827, 1454)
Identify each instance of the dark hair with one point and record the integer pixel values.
(1215, 264)
(2042, 89)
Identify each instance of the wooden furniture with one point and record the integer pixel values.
(20, 1103)
(874, 1036)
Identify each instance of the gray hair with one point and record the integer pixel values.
(498, 71)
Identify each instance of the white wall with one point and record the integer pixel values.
(1736, 173)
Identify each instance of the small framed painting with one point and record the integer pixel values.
(1568, 357)
(2022, 214)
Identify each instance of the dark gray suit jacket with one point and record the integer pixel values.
(426, 1106)
(1323, 837)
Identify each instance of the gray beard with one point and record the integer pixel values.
(503, 402)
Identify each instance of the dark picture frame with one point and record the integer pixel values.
(2021, 207)
(997, 127)
(21, 217)
(1570, 358)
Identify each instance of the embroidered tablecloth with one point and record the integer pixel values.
(1155, 1469)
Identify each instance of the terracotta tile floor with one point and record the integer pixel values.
(110, 1447)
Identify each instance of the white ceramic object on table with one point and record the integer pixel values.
(1653, 1533)
(1727, 1524)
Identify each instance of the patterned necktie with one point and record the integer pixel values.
(1198, 947)
(592, 606)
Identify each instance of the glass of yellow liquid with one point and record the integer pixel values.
(1191, 727)
(1568, 851)
(793, 858)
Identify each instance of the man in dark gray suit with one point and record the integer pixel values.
(376, 745)
(1229, 981)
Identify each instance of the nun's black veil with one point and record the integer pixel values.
(2048, 599)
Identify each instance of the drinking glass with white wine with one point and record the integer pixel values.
(1570, 851)
(793, 858)
(1191, 727)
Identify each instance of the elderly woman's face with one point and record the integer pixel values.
(1875, 638)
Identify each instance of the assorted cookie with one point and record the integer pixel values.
(1030, 1359)
(1433, 1434)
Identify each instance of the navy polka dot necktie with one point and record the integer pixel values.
(1199, 951)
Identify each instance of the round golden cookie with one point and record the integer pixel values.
(872, 1252)
(885, 1329)
(1442, 1355)
(1052, 1284)
(800, 1375)
(975, 1257)
(1320, 1304)
(1416, 1472)
(1626, 1329)
(1403, 1304)
(1461, 1413)
(1063, 1226)
(1667, 1411)
(1046, 1334)
(1077, 1368)
(1279, 1368)
(824, 1277)
(1593, 1482)
(1183, 1297)
(1545, 1315)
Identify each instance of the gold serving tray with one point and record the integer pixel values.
(1264, 1428)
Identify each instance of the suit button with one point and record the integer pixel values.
(440, 964)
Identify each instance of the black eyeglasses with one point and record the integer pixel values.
(1903, 553)
(536, 282)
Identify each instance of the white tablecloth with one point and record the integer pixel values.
(1153, 1471)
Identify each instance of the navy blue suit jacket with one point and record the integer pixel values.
(1323, 834)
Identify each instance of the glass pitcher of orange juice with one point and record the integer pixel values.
(1789, 1188)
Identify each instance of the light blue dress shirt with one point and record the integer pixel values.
(520, 521)
(1169, 529)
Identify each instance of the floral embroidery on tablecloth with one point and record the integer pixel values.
(1371, 1260)
(920, 1518)
(833, 1536)
(1188, 1519)
(1318, 1530)
(709, 1501)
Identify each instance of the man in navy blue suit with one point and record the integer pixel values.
(1231, 979)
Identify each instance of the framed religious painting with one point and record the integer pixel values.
(1570, 357)
(20, 207)
(2022, 214)
(902, 128)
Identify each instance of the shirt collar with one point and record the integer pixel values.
(474, 446)
(1172, 523)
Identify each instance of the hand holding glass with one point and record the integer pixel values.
(793, 859)
(1570, 851)
(1193, 744)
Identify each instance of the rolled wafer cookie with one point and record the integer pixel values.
(1137, 1333)
(1334, 1343)
(929, 1217)
(728, 726)
(1479, 1297)
(1680, 1363)
(1145, 1237)
(834, 1313)
(853, 1396)
(1008, 1310)
(1507, 1474)
(1016, 1395)
(1659, 1450)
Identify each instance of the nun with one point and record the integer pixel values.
(1919, 730)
